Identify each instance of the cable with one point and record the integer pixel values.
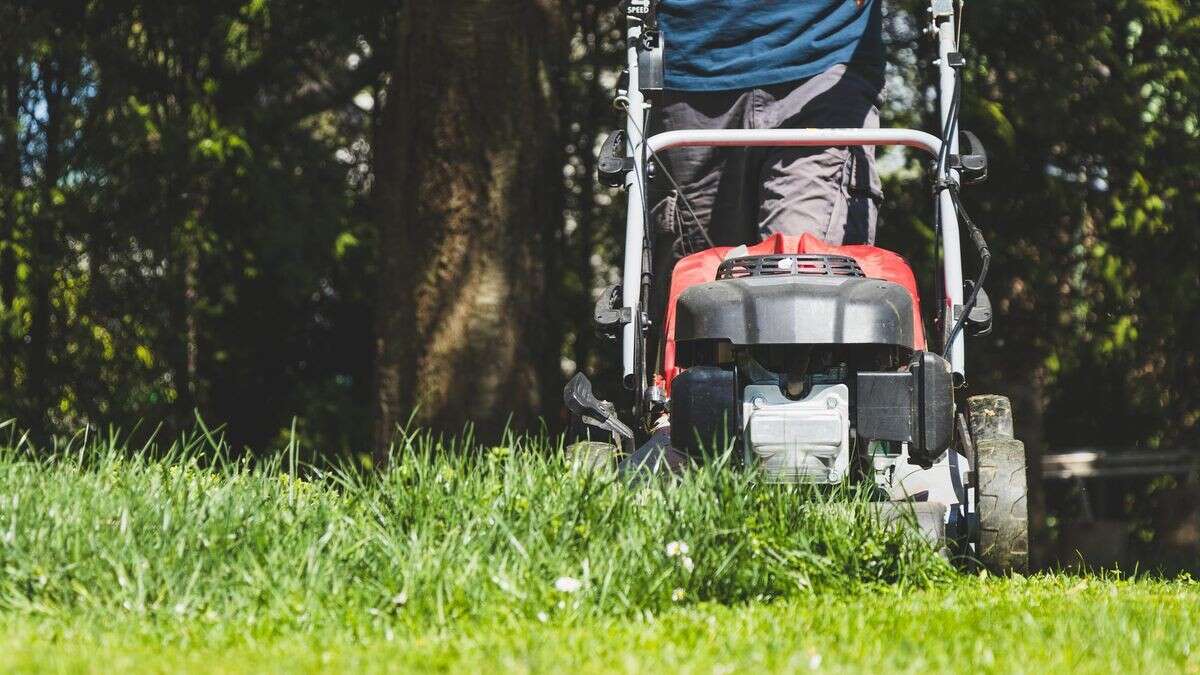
(641, 175)
(678, 189)
(647, 271)
(643, 148)
(962, 9)
(943, 160)
(946, 182)
(943, 180)
(677, 226)
(985, 261)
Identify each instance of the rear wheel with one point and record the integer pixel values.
(1002, 489)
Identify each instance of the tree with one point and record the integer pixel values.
(468, 172)
(179, 231)
(201, 209)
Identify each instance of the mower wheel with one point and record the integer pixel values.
(1002, 489)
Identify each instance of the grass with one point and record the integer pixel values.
(1035, 626)
(181, 558)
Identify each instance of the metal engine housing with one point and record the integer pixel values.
(803, 441)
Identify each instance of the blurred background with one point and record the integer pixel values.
(323, 216)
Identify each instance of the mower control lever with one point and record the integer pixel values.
(979, 319)
(973, 161)
(583, 403)
(613, 165)
(610, 316)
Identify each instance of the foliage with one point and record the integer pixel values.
(181, 223)
(187, 192)
(1088, 110)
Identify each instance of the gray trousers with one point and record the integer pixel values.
(743, 195)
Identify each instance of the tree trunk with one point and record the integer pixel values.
(185, 350)
(462, 209)
(42, 258)
(587, 211)
(13, 176)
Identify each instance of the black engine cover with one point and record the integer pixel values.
(915, 407)
(704, 410)
(797, 310)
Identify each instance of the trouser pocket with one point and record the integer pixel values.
(677, 221)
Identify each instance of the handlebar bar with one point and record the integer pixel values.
(794, 138)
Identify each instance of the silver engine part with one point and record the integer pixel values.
(806, 441)
(945, 482)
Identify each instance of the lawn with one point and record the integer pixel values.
(183, 558)
(1036, 625)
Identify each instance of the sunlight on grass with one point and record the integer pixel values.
(445, 534)
(460, 559)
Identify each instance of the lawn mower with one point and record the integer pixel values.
(810, 361)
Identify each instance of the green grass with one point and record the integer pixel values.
(510, 557)
(1035, 626)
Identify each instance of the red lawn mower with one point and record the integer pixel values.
(808, 361)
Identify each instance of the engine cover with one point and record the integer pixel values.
(806, 441)
(792, 310)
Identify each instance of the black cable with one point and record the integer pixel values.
(947, 182)
(644, 148)
(679, 190)
(641, 177)
(985, 261)
(942, 173)
(943, 160)
(647, 271)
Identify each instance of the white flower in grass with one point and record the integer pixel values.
(567, 584)
(688, 563)
(678, 595)
(676, 549)
(543, 617)
(814, 661)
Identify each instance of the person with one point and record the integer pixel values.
(761, 64)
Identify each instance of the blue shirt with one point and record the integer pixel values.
(739, 44)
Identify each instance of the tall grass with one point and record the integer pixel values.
(447, 533)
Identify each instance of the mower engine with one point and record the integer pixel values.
(803, 361)
(806, 440)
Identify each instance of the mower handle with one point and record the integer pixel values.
(636, 275)
(793, 138)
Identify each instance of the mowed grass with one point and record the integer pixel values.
(511, 557)
(1040, 625)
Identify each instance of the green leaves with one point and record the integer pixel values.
(1090, 113)
(1163, 12)
(175, 214)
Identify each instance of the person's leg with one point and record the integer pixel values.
(832, 193)
(712, 179)
(716, 203)
(716, 195)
